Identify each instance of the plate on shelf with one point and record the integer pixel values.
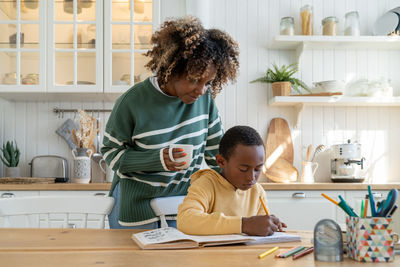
(386, 24)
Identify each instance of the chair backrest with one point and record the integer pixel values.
(164, 206)
(55, 211)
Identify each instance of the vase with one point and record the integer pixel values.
(81, 173)
(13, 172)
(281, 88)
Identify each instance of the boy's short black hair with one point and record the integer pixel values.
(240, 134)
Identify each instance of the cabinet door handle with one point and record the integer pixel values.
(7, 195)
(299, 195)
(100, 194)
(377, 195)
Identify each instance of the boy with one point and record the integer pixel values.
(228, 202)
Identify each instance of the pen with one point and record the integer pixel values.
(265, 207)
(346, 207)
(302, 253)
(266, 253)
(392, 211)
(292, 251)
(371, 202)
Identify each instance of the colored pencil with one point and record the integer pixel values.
(292, 251)
(366, 207)
(302, 253)
(266, 253)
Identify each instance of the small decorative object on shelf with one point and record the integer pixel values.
(10, 158)
(282, 80)
(84, 140)
(287, 26)
(352, 24)
(329, 26)
(307, 21)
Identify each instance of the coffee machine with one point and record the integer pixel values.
(346, 163)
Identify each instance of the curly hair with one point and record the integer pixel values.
(244, 135)
(183, 46)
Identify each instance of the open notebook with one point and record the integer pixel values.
(171, 238)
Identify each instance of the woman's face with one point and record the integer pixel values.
(189, 91)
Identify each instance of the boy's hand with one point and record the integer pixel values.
(261, 225)
(279, 223)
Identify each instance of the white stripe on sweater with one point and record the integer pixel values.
(214, 122)
(116, 158)
(219, 133)
(171, 129)
(113, 139)
(212, 147)
(173, 141)
(160, 184)
(112, 150)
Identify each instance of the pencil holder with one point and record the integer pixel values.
(370, 239)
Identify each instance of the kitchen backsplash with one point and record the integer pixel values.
(254, 23)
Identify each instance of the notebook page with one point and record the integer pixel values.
(277, 237)
(161, 235)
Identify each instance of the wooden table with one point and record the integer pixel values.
(90, 247)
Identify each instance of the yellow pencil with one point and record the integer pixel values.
(266, 253)
(265, 207)
(328, 198)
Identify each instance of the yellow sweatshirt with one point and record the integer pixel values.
(214, 206)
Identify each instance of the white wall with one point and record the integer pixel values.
(253, 23)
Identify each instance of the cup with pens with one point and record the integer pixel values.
(370, 239)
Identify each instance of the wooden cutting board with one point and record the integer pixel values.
(279, 141)
(26, 180)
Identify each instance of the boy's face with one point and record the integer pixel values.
(243, 167)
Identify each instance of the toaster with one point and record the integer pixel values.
(50, 166)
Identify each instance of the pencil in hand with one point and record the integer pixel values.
(265, 207)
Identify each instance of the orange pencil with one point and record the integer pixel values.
(265, 207)
(365, 207)
(330, 199)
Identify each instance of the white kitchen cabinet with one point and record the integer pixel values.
(74, 46)
(17, 220)
(57, 220)
(301, 210)
(22, 46)
(76, 219)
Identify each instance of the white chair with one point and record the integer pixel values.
(166, 206)
(55, 211)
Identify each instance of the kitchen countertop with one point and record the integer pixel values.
(266, 186)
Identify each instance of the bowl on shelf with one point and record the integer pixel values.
(330, 86)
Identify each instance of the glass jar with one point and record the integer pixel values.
(329, 26)
(287, 26)
(352, 24)
(307, 24)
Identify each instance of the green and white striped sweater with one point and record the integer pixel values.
(143, 122)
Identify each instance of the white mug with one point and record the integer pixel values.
(107, 170)
(188, 149)
(309, 169)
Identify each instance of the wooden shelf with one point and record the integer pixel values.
(334, 101)
(302, 42)
(52, 96)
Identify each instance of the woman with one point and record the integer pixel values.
(175, 106)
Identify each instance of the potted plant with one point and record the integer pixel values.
(282, 80)
(10, 158)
